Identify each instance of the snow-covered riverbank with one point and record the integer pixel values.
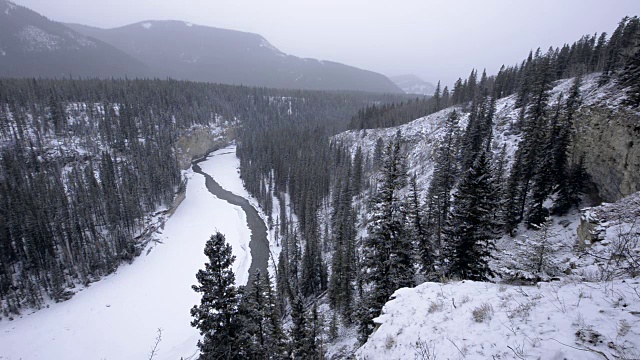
(118, 317)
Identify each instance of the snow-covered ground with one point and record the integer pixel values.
(593, 309)
(118, 316)
(474, 320)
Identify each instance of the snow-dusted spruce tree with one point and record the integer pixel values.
(303, 332)
(259, 318)
(630, 78)
(445, 171)
(418, 231)
(568, 194)
(388, 251)
(536, 254)
(471, 230)
(343, 221)
(215, 317)
(543, 175)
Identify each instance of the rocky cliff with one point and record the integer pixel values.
(608, 138)
(198, 142)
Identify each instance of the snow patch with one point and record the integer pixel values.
(147, 25)
(4, 53)
(420, 89)
(36, 39)
(188, 24)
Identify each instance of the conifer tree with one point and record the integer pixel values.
(543, 177)
(437, 99)
(614, 52)
(443, 180)
(358, 172)
(388, 251)
(344, 233)
(471, 230)
(215, 317)
(534, 138)
(446, 97)
(566, 193)
(262, 336)
(630, 76)
(418, 230)
(303, 338)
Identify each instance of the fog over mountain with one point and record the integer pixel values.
(434, 40)
(183, 50)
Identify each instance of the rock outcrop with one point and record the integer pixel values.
(596, 221)
(609, 140)
(198, 142)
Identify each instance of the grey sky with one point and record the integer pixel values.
(437, 40)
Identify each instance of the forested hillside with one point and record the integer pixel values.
(372, 226)
(87, 165)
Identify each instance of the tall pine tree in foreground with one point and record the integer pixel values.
(445, 170)
(472, 228)
(215, 317)
(388, 250)
(567, 195)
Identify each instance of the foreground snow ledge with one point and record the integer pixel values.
(547, 321)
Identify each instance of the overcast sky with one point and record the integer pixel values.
(436, 40)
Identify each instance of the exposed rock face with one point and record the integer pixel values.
(609, 139)
(199, 142)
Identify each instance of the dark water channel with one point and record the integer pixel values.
(259, 244)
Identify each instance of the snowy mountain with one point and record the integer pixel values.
(412, 84)
(32, 45)
(187, 51)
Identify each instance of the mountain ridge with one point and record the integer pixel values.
(32, 45)
(188, 51)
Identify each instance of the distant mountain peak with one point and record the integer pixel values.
(413, 84)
